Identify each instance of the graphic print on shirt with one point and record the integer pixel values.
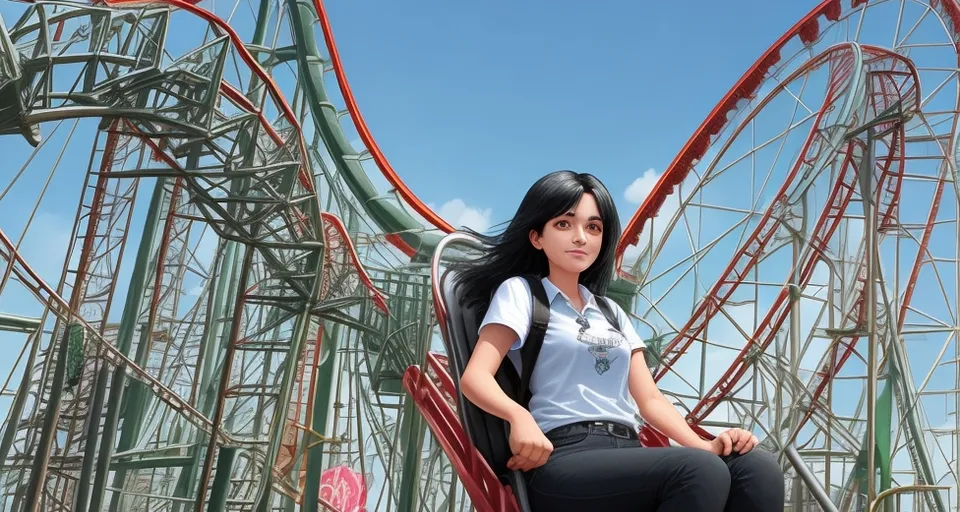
(599, 347)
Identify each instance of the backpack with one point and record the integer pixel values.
(488, 433)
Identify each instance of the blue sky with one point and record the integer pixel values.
(476, 100)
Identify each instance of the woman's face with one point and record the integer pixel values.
(573, 240)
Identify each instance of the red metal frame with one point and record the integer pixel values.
(379, 298)
(748, 255)
(887, 193)
(486, 492)
(807, 28)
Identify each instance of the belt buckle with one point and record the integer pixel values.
(618, 430)
(612, 428)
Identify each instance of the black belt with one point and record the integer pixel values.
(595, 427)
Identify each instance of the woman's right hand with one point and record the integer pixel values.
(530, 447)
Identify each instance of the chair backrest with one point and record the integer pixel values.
(488, 433)
(459, 325)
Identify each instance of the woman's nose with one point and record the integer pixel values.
(579, 236)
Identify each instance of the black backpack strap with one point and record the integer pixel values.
(608, 312)
(530, 350)
(611, 317)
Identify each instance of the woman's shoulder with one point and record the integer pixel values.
(515, 287)
(511, 306)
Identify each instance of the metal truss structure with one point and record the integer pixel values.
(220, 291)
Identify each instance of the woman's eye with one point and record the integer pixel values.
(563, 224)
(595, 227)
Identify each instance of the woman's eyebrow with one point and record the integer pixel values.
(593, 217)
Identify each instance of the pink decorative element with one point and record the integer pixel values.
(343, 489)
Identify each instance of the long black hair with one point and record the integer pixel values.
(511, 253)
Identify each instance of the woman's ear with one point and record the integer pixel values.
(535, 240)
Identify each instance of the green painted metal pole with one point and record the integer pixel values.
(413, 427)
(128, 326)
(216, 336)
(16, 409)
(412, 430)
(870, 305)
(133, 411)
(140, 398)
(884, 418)
(225, 371)
(220, 488)
(301, 329)
(93, 434)
(321, 408)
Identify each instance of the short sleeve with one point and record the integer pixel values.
(626, 327)
(511, 306)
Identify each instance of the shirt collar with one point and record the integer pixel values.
(552, 292)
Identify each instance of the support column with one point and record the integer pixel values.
(870, 237)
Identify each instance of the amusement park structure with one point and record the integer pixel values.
(241, 314)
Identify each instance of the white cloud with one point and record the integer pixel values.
(640, 188)
(458, 214)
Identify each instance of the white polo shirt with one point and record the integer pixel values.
(582, 371)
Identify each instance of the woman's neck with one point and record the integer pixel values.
(568, 284)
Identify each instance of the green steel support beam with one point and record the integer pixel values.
(412, 430)
(93, 435)
(301, 329)
(413, 427)
(37, 474)
(216, 336)
(134, 407)
(321, 408)
(884, 418)
(220, 488)
(139, 397)
(905, 392)
(882, 447)
(14, 323)
(128, 326)
(153, 462)
(225, 370)
(19, 400)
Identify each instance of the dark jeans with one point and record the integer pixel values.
(592, 469)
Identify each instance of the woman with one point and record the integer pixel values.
(577, 443)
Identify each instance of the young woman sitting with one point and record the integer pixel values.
(577, 441)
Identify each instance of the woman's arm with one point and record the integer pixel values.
(478, 383)
(655, 408)
(530, 447)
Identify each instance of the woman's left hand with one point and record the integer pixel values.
(733, 440)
